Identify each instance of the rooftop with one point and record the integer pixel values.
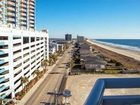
(97, 97)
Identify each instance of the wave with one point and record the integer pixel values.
(120, 45)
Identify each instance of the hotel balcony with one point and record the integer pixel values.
(2, 79)
(10, 3)
(23, 6)
(32, 0)
(2, 52)
(11, 19)
(5, 93)
(2, 88)
(2, 70)
(10, 9)
(32, 18)
(32, 7)
(23, 14)
(32, 25)
(23, 10)
(32, 14)
(3, 42)
(23, 23)
(2, 62)
(23, 2)
(9, 14)
(32, 21)
(32, 3)
(23, 19)
(32, 10)
(97, 97)
(6, 66)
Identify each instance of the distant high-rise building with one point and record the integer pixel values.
(80, 39)
(18, 13)
(68, 37)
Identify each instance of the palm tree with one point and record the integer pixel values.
(44, 64)
(52, 59)
(24, 81)
(37, 73)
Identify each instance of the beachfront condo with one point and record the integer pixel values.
(22, 48)
(21, 53)
(18, 13)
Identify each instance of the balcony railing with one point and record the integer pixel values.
(2, 79)
(2, 70)
(96, 95)
(2, 88)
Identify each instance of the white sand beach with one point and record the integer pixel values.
(129, 53)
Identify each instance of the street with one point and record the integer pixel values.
(51, 83)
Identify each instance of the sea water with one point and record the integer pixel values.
(130, 44)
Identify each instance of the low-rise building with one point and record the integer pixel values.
(55, 46)
(90, 61)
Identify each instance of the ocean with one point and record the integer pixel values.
(130, 44)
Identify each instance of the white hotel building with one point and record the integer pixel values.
(21, 50)
(21, 53)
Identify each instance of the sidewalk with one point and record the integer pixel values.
(34, 88)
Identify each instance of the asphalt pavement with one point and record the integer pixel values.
(51, 83)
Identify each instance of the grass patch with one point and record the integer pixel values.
(112, 71)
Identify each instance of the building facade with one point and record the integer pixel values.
(18, 13)
(80, 39)
(21, 53)
(68, 37)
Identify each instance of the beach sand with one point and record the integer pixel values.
(81, 85)
(129, 53)
(129, 58)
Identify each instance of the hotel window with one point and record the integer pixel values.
(16, 37)
(32, 39)
(25, 40)
(3, 37)
(37, 39)
(3, 46)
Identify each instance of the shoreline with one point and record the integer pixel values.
(120, 46)
(126, 52)
(128, 58)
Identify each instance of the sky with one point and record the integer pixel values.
(97, 19)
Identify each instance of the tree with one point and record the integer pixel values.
(37, 73)
(24, 81)
(44, 64)
(52, 59)
(71, 64)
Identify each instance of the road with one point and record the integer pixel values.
(51, 83)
